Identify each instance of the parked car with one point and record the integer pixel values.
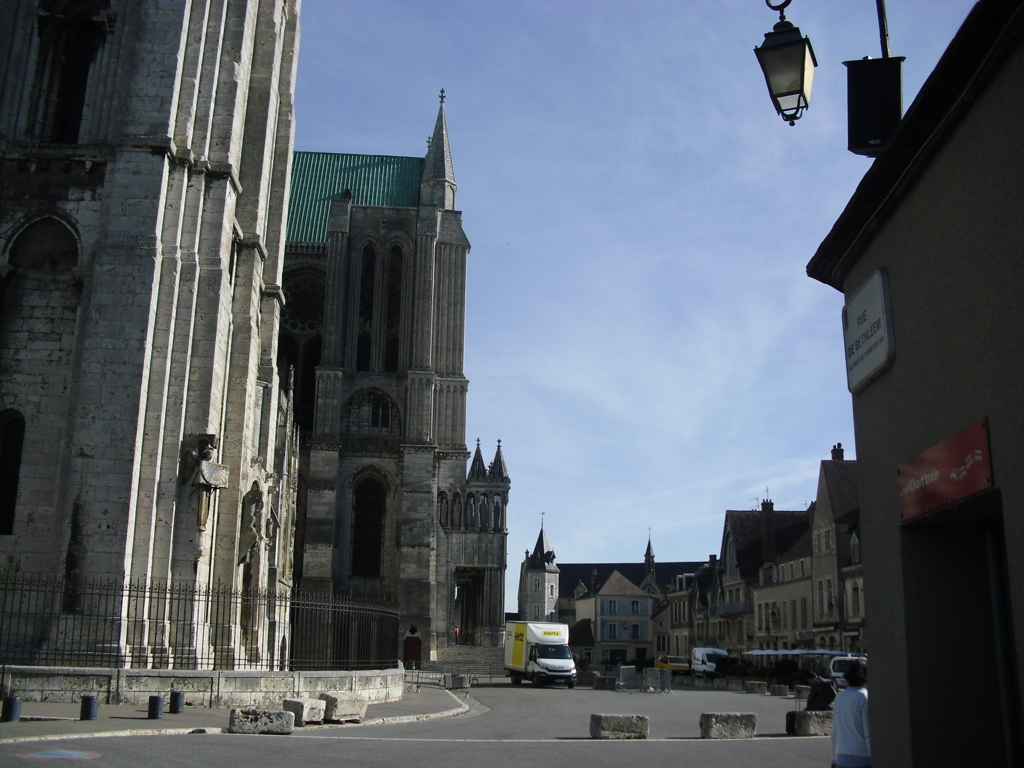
(680, 665)
(702, 661)
(838, 666)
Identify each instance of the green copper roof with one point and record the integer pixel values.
(392, 182)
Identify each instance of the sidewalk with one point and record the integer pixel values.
(55, 720)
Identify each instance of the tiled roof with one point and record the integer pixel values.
(745, 526)
(617, 584)
(841, 482)
(574, 574)
(317, 177)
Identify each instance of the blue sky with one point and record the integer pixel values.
(640, 330)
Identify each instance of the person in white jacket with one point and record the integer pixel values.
(851, 745)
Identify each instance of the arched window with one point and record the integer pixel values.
(457, 521)
(498, 515)
(301, 342)
(393, 317)
(45, 245)
(369, 503)
(70, 35)
(442, 509)
(364, 327)
(485, 515)
(12, 438)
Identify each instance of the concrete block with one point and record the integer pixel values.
(268, 721)
(813, 723)
(735, 685)
(780, 690)
(305, 710)
(728, 725)
(755, 686)
(801, 691)
(687, 679)
(339, 707)
(720, 684)
(619, 726)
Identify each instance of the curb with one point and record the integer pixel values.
(454, 712)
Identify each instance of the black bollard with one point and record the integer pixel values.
(177, 702)
(156, 707)
(90, 708)
(12, 710)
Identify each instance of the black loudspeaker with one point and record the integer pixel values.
(874, 103)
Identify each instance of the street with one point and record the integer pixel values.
(506, 726)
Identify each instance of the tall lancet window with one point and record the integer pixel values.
(369, 502)
(364, 327)
(12, 437)
(393, 318)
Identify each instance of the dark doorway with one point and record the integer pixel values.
(369, 502)
(960, 611)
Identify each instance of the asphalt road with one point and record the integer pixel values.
(508, 726)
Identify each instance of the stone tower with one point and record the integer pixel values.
(391, 512)
(145, 155)
(538, 583)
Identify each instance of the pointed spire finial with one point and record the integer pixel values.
(442, 95)
(478, 442)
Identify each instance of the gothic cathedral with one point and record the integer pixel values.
(375, 280)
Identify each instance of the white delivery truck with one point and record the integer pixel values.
(539, 652)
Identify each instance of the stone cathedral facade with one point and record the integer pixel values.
(145, 431)
(375, 276)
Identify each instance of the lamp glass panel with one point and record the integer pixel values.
(808, 72)
(785, 66)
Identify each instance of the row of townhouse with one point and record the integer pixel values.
(784, 579)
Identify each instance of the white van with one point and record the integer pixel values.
(702, 661)
(837, 668)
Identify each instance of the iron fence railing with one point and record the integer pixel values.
(46, 620)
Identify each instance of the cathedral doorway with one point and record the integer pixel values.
(469, 603)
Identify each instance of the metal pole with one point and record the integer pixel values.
(883, 28)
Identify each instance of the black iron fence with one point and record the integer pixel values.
(46, 620)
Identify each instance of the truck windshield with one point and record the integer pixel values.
(553, 652)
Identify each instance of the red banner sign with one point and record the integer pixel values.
(956, 468)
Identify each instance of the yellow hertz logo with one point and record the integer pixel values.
(551, 633)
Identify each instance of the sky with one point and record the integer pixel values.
(640, 330)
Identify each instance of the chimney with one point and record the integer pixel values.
(713, 561)
(767, 531)
(837, 452)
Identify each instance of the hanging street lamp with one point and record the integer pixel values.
(788, 63)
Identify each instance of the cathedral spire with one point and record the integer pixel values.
(438, 184)
(477, 470)
(649, 556)
(498, 469)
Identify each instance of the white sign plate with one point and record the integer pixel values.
(867, 332)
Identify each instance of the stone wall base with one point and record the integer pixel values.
(202, 688)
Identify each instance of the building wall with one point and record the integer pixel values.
(164, 323)
(953, 252)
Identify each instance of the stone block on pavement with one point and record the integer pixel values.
(619, 726)
(735, 685)
(305, 710)
(780, 690)
(720, 684)
(800, 691)
(268, 721)
(728, 725)
(756, 686)
(814, 723)
(339, 707)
